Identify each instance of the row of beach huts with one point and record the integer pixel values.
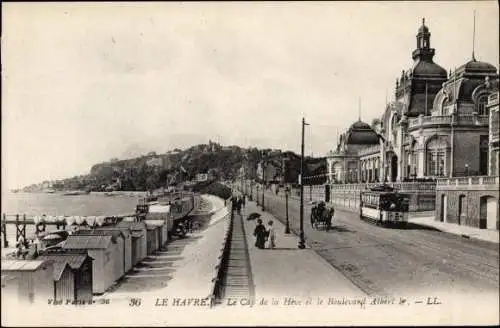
(91, 259)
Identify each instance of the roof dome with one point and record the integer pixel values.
(475, 66)
(423, 67)
(361, 133)
(423, 28)
(360, 125)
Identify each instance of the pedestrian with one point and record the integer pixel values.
(243, 200)
(21, 246)
(271, 235)
(260, 234)
(240, 203)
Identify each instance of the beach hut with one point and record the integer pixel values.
(127, 244)
(72, 274)
(118, 239)
(152, 237)
(28, 281)
(105, 251)
(159, 215)
(138, 232)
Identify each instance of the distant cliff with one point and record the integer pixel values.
(152, 171)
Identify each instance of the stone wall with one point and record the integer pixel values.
(471, 208)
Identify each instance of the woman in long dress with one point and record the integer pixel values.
(271, 235)
(260, 234)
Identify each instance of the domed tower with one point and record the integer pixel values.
(361, 133)
(417, 88)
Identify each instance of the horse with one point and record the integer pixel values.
(322, 217)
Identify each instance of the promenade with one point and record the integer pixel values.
(290, 271)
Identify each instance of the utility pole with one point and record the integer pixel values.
(302, 243)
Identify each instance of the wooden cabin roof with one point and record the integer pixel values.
(21, 265)
(88, 241)
(61, 260)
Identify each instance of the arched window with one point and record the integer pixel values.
(482, 101)
(337, 172)
(436, 156)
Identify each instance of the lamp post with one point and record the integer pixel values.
(257, 194)
(302, 243)
(263, 183)
(287, 227)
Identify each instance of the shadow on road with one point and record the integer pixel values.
(340, 229)
(413, 226)
(282, 249)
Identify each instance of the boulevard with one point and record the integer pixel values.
(392, 261)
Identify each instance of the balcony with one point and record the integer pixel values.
(428, 121)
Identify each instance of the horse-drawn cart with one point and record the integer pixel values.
(321, 216)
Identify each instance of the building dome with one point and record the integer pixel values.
(361, 133)
(423, 28)
(476, 67)
(428, 68)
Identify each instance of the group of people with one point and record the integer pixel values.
(238, 202)
(28, 248)
(264, 237)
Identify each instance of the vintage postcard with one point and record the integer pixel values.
(250, 163)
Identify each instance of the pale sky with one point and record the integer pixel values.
(83, 83)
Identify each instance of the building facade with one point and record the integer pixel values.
(436, 127)
(494, 134)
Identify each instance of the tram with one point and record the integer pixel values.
(384, 206)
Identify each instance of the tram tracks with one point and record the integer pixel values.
(411, 258)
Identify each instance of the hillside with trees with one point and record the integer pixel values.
(152, 171)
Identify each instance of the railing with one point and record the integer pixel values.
(447, 119)
(369, 150)
(400, 186)
(429, 120)
(473, 180)
(217, 285)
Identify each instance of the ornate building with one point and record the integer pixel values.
(436, 127)
(494, 134)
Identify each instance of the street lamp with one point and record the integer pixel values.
(287, 227)
(302, 243)
(257, 194)
(263, 183)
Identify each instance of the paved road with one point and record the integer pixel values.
(392, 261)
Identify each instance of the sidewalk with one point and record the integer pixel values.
(467, 232)
(288, 271)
